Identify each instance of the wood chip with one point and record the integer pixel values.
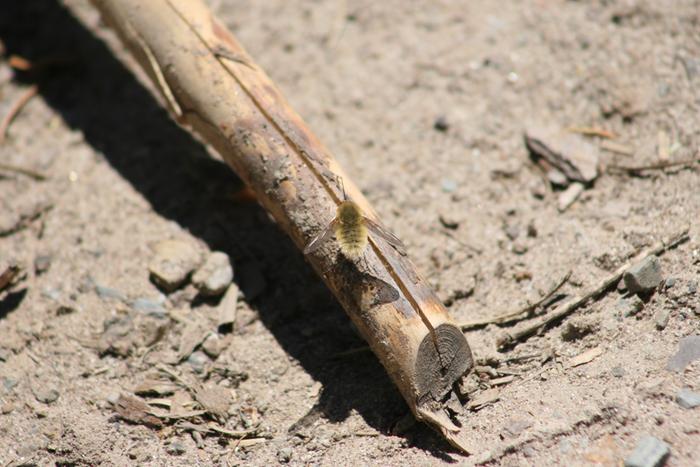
(214, 399)
(503, 380)
(617, 148)
(586, 357)
(192, 337)
(228, 309)
(569, 196)
(135, 410)
(663, 145)
(484, 398)
(569, 153)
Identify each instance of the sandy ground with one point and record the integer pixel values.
(371, 78)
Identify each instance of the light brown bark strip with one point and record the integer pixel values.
(213, 86)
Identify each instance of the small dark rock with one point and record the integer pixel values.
(42, 263)
(531, 229)
(519, 248)
(687, 398)
(579, 327)
(448, 221)
(643, 276)
(172, 263)
(441, 124)
(669, 282)
(649, 452)
(284, 455)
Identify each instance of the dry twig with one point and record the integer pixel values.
(509, 339)
(15, 109)
(637, 170)
(523, 313)
(21, 170)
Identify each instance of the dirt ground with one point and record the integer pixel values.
(371, 79)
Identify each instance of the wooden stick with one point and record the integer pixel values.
(15, 109)
(508, 339)
(632, 170)
(212, 85)
(522, 313)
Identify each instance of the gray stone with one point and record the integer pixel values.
(149, 306)
(693, 287)
(687, 398)
(629, 306)
(643, 276)
(618, 372)
(172, 263)
(284, 455)
(669, 282)
(448, 185)
(45, 394)
(649, 452)
(198, 361)
(107, 293)
(688, 351)
(42, 263)
(661, 319)
(215, 275)
(176, 448)
(212, 345)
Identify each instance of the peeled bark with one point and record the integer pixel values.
(213, 86)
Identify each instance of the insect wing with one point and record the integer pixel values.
(380, 231)
(321, 238)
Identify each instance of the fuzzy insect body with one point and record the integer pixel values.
(352, 229)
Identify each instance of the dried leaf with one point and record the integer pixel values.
(155, 388)
(214, 399)
(484, 398)
(586, 357)
(134, 410)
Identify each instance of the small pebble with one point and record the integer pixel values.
(6, 408)
(512, 231)
(661, 319)
(643, 276)
(688, 352)
(448, 186)
(629, 306)
(618, 372)
(42, 263)
(172, 263)
(649, 452)
(212, 345)
(441, 124)
(621, 287)
(568, 196)
(692, 287)
(109, 293)
(448, 221)
(176, 448)
(215, 275)
(45, 395)
(284, 455)
(519, 248)
(669, 282)
(198, 361)
(687, 398)
(149, 306)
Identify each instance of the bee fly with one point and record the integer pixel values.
(352, 228)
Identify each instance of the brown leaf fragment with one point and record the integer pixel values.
(178, 403)
(134, 410)
(214, 399)
(569, 153)
(484, 398)
(152, 387)
(585, 357)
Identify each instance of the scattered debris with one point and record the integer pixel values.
(227, 309)
(649, 452)
(522, 313)
(578, 328)
(688, 399)
(569, 196)
(661, 319)
(630, 306)
(117, 336)
(15, 109)
(585, 357)
(643, 276)
(214, 399)
(617, 148)
(215, 275)
(509, 338)
(568, 153)
(592, 131)
(483, 399)
(213, 345)
(134, 410)
(172, 263)
(151, 387)
(638, 171)
(4, 167)
(688, 352)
